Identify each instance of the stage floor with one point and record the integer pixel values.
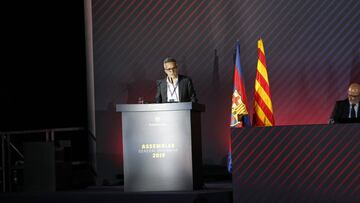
(213, 192)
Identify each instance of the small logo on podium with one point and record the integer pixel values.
(157, 122)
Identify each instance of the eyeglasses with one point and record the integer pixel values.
(349, 95)
(170, 69)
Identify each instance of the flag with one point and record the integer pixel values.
(239, 106)
(263, 110)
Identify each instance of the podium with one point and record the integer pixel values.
(162, 146)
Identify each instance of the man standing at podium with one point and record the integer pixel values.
(348, 110)
(174, 88)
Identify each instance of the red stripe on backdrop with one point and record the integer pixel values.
(97, 10)
(144, 42)
(310, 133)
(111, 26)
(238, 154)
(258, 156)
(280, 153)
(356, 190)
(321, 185)
(134, 17)
(214, 33)
(287, 155)
(324, 159)
(100, 23)
(307, 146)
(235, 138)
(139, 24)
(350, 185)
(189, 25)
(266, 158)
(201, 46)
(251, 153)
(130, 36)
(143, 47)
(347, 177)
(198, 41)
(164, 31)
(324, 168)
(100, 44)
(308, 153)
(312, 162)
(331, 185)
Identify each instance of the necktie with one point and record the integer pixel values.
(353, 111)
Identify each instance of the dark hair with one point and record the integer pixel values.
(169, 59)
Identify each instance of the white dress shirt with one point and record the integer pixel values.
(172, 90)
(356, 110)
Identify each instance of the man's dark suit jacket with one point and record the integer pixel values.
(186, 90)
(340, 113)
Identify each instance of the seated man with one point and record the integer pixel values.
(347, 111)
(174, 88)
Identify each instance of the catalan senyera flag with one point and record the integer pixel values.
(263, 110)
(239, 108)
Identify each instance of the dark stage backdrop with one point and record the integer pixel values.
(311, 46)
(43, 72)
